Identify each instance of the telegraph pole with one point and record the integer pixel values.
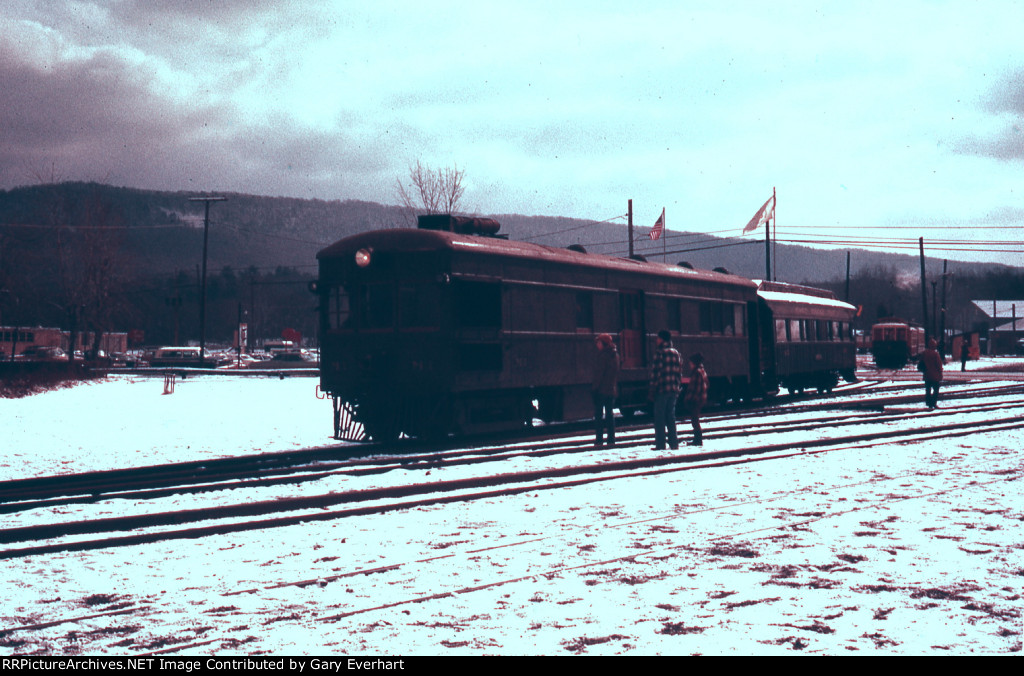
(942, 329)
(924, 295)
(629, 220)
(202, 293)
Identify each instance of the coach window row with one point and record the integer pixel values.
(806, 330)
(410, 306)
(383, 306)
(706, 318)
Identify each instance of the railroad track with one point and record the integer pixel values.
(566, 468)
(292, 467)
(212, 471)
(532, 569)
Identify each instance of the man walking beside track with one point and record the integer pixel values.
(666, 381)
(606, 376)
(931, 366)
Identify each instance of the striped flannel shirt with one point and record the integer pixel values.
(666, 371)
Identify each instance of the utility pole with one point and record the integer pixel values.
(202, 292)
(629, 217)
(924, 295)
(847, 277)
(942, 340)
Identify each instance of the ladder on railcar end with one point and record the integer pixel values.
(346, 427)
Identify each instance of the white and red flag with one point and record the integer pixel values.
(763, 215)
(659, 226)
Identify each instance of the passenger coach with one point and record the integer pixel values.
(808, 339)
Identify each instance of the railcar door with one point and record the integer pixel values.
(631, 337)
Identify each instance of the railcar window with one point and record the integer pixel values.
(339, 308)
(418, 306)
(781, 334)
(478, 304)
(376, 306)
(706, 321)
(721, 319)
(689, 316)
(584, 310)
(795, 330)
(672, 315)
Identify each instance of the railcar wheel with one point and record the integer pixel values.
(382, 432)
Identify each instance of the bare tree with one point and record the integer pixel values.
(431, 191)
(90, 266)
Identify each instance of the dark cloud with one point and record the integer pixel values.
(1004, 100)
(227, 17)
(1007, 96)
(104, 118)
(1007, 145)
(86, 115)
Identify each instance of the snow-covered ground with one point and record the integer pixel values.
(897, 549)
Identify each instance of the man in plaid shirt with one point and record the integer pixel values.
(666, 382)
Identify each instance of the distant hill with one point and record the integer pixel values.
(162, 233)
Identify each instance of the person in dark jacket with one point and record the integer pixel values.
(696, 396)
(604, 389)
(666, 381)
(965, 353)
(931, 366)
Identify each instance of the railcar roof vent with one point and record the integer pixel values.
(576, 247)
(685, 264)
(464, 225)
(638, 257)
(722, 270)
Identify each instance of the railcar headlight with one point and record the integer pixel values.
(363, 257)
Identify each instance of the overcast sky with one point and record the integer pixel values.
(890, 119)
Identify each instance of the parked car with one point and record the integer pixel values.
(242, 361)
(42, 353)
(187, 357)
(290, 360)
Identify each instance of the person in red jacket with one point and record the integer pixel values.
(931, 366)
(696, 396)
(603, 391)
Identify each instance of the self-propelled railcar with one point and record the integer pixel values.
(894, 342)
(448, 328)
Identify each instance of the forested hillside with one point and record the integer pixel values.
(112, 258)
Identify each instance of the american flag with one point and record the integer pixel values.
(659, 226)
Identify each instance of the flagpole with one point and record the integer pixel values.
(775, 250)
(664, 239)
(629, 219)
(767, 249)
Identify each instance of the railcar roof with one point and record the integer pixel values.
(779, 299)
(410, 239)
